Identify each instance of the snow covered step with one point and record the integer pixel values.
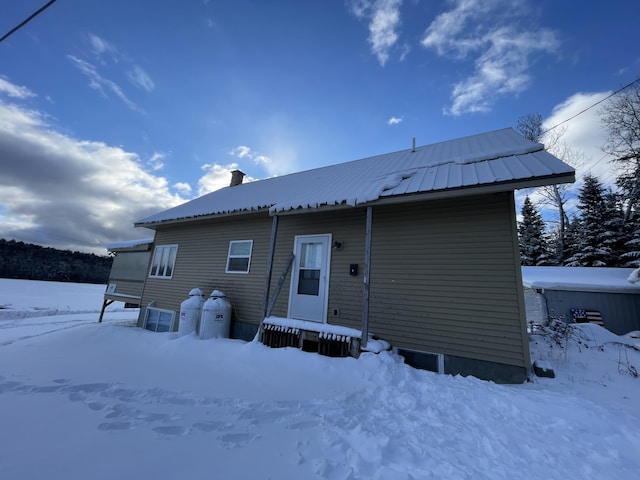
(325, 339)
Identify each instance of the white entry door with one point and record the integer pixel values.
(310, 278)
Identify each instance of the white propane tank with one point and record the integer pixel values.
(215, 321)
(190, 312)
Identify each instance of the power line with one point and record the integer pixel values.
(27, 20)
(591, 106)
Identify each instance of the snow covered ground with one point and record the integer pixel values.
(82, 400)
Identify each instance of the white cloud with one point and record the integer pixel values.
(216, 177)
(100, 46)
(155, 161)
(394, 121)
(490, 33)
(102, 84)
(585, 133)
(404, 52)
(99, 82)
(443, 33)
(262, 160)
(384, 22)
(14, 91)
(241, 151)
(183, 187)
(141, 79)
(578, 142)
(85, 193)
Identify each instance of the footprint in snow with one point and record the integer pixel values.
(170, 430)
(114, 426)
(208, 426)
(236, 440)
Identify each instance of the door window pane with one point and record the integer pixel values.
(309, 282)
(311, 255)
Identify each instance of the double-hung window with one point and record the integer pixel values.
(164, 258)
(239, 256)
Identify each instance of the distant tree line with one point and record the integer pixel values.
(33, 262)
(605, 229)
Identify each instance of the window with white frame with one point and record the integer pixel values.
(239, 256)
(164, 258)
(158, 320)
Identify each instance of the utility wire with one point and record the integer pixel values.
(27, 20)
(591, 106)
(590, 165)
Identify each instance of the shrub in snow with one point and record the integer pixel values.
(558, 340)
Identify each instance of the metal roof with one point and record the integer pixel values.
(129, 244)
(580, 279)
(499, 158)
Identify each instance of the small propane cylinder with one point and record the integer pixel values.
(215, 320)
(190, 312)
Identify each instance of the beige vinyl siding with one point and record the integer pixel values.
(445, 274)
(127, 287)
(444, 278)
(345, 291)
(201, 261)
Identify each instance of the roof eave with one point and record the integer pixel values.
(497, 187)
(153, 225)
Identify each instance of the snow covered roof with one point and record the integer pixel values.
(499, 158)
(129, 244)
(585, 279)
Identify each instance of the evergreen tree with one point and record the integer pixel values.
(631, 255)
(616, 235)
(571, 239)
(555, 196)
(33, 262)
(593, 246)
(533, 245)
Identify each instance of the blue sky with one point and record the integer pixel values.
(112, 111)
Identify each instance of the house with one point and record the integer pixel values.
(600, 294)
(418, 247)
(128, 272)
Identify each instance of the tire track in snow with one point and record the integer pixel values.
(40, 334)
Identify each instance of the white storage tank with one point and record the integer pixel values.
(215, 321)
(190, 312)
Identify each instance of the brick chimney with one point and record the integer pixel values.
(236, 178)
